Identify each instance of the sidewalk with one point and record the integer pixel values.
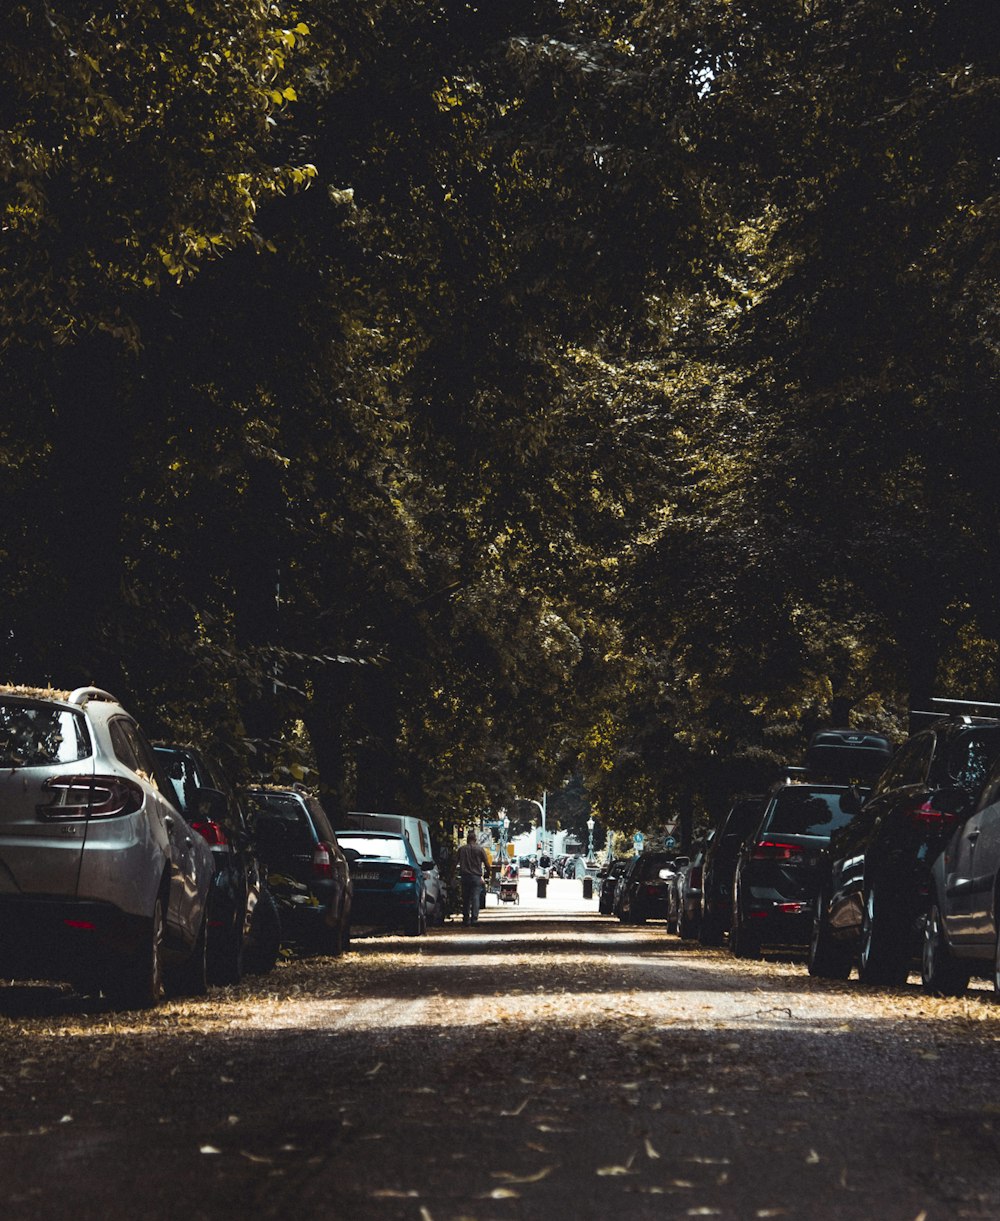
(564, 897)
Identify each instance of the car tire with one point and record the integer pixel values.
(884, 954)
(687, 927)
(418, 925)
(940, 972)
(742, 942)
(228, 963)
(138, 983)
(264, 944)
(190, 978)
(711, 932)
(827, 959)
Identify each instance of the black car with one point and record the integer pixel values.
(609, 876)
(719, 865)
(777, 870)
(244, 928)
(876, 890)
(686, 892)
(962, 929)
(643, 893)
(307, 870)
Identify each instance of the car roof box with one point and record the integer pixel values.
(847, 754)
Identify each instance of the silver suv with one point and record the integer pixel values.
(102, 882)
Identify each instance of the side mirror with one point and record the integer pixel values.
(427, 866)
(681, 860)
(667, 874)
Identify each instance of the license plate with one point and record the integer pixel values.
(367, 877)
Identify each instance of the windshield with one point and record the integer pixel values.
(387, 847)
(34, 735)
(804, 811)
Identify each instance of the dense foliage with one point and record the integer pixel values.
(440, 399)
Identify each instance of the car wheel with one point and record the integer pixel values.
(265, 935)
(711, 932)
(138, 984)
(940, 972)
(827, 959)
(742, 942)
(418, 925)
(687, 927)
(191, 977)
(227, 963)
(884, 954)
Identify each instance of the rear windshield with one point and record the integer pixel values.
(651, 866)
(33, 735)
(801, 811)
(286, 812)
(375, 845)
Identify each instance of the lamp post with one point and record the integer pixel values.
(541, 810)
(506, 832)
(590, 841)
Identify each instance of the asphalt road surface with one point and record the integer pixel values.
(549, 1063)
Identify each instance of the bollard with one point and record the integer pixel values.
(543, 885)
(588, 888)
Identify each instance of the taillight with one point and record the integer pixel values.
(925, 812)
(652, 888)
(407, 875)
(772, 850)
(211, 832)
(322, 866)
(84, 797)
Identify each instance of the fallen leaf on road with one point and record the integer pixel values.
(517, 1110)
(387, 1193)
(372, 1071)
(614, 1170)
(813, 1158)
(502, 1193)
(507, 1177)
(253, 1157)
(209, 1149)
(650, 1151)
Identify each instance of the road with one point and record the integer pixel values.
(549, 1063)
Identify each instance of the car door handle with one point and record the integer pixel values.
(973, 836)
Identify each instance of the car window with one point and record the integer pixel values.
(375, 845)
(122, 745)
(971, 756)
(743, 818)
(323, 828)
(33, 735)
(801, 811)
(286, 809)
(909, 765)
(650, 866)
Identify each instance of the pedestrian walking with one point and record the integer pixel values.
(472, 860)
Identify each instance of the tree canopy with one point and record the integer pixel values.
(442, 400)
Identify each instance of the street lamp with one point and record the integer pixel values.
(541, 810)
(506, 830)
(590, 841)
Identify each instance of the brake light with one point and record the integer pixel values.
(652, 888)
(791, 909)
(211, 832)
(772, 850)
(322, 866)
(926, 813)
(407, 875)
(82, 797)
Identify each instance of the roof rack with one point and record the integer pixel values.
(83, 695)
(966, 704)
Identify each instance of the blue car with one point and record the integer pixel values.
(388, 881)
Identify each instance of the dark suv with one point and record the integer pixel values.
(307, 870)
(875, 892)
(719, 866)
(775, 881)
(244, 928)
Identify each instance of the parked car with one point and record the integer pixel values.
(776, 878)
(308, 873)
(418, 833)
(643, 893)
(962, 929)
(672, 873)
(389, 887)
(609, 880)
(686, 892)
(244, 927)
(719, 866)
(102, 881)
(875, 891)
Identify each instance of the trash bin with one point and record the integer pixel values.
(543, 885)
(588, 888)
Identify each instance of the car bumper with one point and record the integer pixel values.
(42, 938)
(387, 908)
